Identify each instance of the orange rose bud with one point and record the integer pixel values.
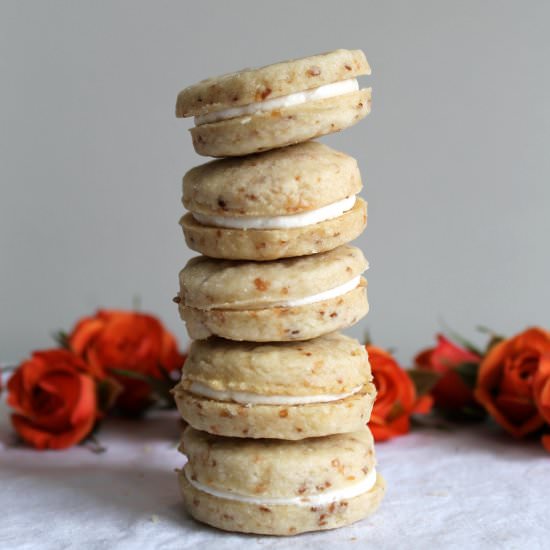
(541, 390)
(450, 393)
(126, 340)
(505, 384)
(54, 399)
(396, 400)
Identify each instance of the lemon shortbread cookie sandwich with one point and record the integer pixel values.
(285, 390)
(258, 109)
(278, 487)
(288, 202)
(281, 300)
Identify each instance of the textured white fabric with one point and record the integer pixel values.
(465, 489)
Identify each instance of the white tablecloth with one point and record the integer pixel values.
(466, 488)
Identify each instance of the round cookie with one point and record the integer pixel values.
(289, 390)
(287, 202)
(283, 300)
(290, 102)
(278, 487)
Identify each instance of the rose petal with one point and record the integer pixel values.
(517, 409)
(529, 426)
(423, 405)
(541, 387)
(489, 368)
(83, 333)
(86, 403)
(384, 431)
(41, 440)
(447, 355)
(423, 359)
(380, 432)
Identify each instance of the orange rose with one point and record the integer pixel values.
(541, 389)
(54, 400)
(396, 399)
(450, 392)
(505, 381)
(126, 340)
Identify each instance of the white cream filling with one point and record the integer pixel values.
(247, 398)
(326, 295)
(320, 499)
(328, 212)
(322, 92)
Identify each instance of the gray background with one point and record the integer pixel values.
(454, 156)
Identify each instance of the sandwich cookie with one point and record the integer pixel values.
(281, 300)
(277, 487)
(287, 202)
(259, 109)
(285, 390)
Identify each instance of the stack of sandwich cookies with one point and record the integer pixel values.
(277, 402)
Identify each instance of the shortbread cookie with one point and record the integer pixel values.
(281, 300)
(278, 487)
(259, 109)
(287, 202)
(285, 390)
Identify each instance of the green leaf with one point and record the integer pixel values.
(474, 413)
(131, 374)
(486, 330)
(396, 410)
(423, 380)
(493, 342)
(159, 388)
(367, 338)
(172, 380)
(430, 421)
(92, 443)
(466, 414)
(62, 339)
(494, 338)
(468, 373)
(107, 392)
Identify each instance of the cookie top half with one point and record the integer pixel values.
(332, 364)
(269, 82)
(206, 283)
(281, 182)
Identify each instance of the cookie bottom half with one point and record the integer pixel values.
(278, 324)
(272, 129)
(272, 244)
(290, 422)
(244, 517)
